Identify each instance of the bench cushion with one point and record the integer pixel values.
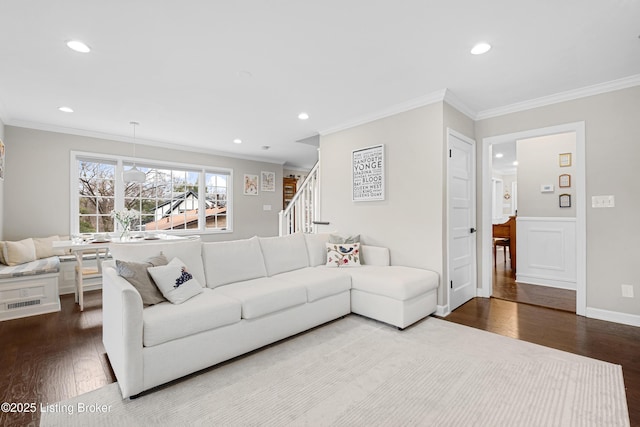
(165, 321)
(264, 295)
(39, 266)
(397, 282)
(319, 283)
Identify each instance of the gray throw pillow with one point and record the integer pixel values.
(334, 238)
(136, 273)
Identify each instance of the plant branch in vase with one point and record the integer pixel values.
(125, 218)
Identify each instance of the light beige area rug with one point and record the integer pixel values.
(358, 372)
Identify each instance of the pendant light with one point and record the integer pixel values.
(134, 174)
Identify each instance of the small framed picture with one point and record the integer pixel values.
(564, 180)
(267, 181)
(250, 185)
(565, 200)
(565, 160)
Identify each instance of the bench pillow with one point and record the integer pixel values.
(20, 252)
(44, 246)
(232, 261)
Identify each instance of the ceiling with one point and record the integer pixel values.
(199, 74)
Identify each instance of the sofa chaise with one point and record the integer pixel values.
(254, 292)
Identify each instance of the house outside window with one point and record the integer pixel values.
(173, 198)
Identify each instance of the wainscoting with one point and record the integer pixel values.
(546, 250)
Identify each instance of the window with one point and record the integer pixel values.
(173, 197)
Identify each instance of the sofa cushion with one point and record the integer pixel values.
(264, 295)
(397, 282)
(284, 253)
(188, 250)
(233, 261)
(175, 281)
(137, 274)
(207, 310)
(319, 283)
(316, 248)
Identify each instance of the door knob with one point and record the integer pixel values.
(472, 230)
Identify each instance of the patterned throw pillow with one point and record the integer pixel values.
(175, 282)
(136, 273)
(343, 255)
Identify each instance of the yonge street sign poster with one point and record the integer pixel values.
(367, 169)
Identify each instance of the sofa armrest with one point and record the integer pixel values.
(122, 325)
(375, 255)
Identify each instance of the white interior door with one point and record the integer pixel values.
(461, 189)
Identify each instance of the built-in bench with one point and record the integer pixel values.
(30, 288)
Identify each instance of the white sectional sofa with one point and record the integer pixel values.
(256, 291)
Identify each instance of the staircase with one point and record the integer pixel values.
(304, 208)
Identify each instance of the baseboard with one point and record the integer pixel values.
(613, 316)
(442, 310)
(545, 281)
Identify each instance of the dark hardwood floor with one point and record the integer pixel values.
(56, 356)
(506, 288)
(52, 357)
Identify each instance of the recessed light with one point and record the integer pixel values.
(244, 74)
(66, 109)
(515, 163)
(481, 48)
(237, 141)
(499, 155)
(78, 46)
(265, 147)
(303, 116)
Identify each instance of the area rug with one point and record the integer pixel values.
(358, 372)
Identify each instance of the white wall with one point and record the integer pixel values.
(538, 165)
(37, 200)
(612, 131)
(410, 220)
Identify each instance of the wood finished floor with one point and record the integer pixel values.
(506, 288)
(56, 356)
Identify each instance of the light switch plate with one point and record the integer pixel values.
(603, 201)
(546, 188)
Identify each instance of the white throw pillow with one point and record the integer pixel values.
(19, 252)
(44, 246)
(343, 255)
(175, 282)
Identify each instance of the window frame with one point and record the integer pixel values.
(119, 187)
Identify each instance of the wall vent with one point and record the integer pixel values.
(21, 304)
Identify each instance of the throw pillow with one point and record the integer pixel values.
(136, 273)
(19, 252)
(44, 246)
(335, 238)
(175, 282)
(343, 255)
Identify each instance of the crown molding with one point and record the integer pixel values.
(453, 100)
(390, 111)
(130, 140)
(569, 95)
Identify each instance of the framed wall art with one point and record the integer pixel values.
(1, 160)
(564, 180)
(250, 185)
(267, 181)
(565, 160)
(565, 200)
(367, 174)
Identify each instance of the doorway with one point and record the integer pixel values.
(487, 266)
